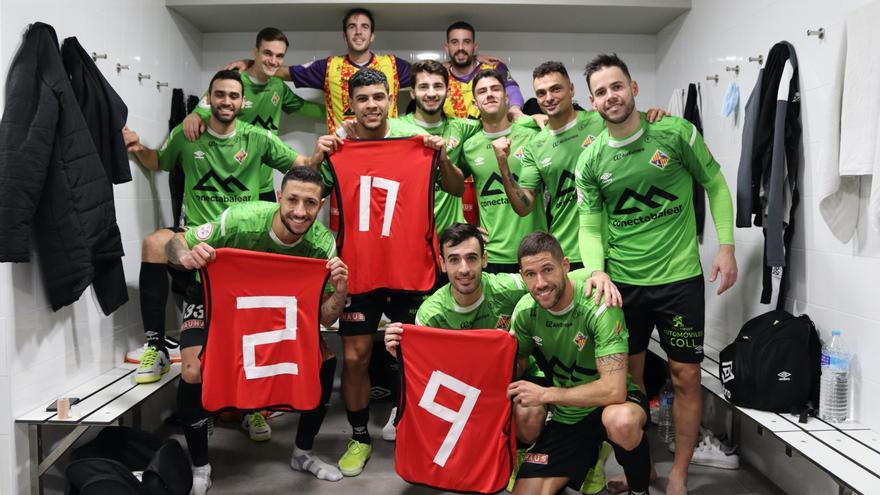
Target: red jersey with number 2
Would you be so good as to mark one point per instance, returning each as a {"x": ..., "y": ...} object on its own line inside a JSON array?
[
  {"x": 386, "y": 202},
  {"x": 455, "y": 426},
  {"x": 263, "y": 349}
]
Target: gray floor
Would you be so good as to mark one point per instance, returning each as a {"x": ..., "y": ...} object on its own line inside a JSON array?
[{"x": 241, "y": 466}]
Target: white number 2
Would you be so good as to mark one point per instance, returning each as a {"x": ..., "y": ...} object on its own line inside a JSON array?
[
  {"x": 250, "y": 342},
  {"x": 367, "y": 184},
  {"x": 458, "y": 418}
]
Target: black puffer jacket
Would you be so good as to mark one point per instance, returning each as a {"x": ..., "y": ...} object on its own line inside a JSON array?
[{"x": 52, "y": 180}]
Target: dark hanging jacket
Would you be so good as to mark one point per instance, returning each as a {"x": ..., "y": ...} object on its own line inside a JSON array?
[
  {"x": 767, "y": 193},
  {"x": 692, "y": 114},
  {"x": 52, "y": 181}
]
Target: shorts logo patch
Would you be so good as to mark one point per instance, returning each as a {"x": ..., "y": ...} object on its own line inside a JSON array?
[
  {"x": 190, "y": 324},
  {"x": 519, "y": 153},
  {"x": 534, "y": 458},
  {"x": 199, "y": 155},
  {"x": 580, "y": 340},
  {"x": 275, "y": 99},
  {"x": 241, "y": 155},
  {"x": 203, "y": 231},
  {"x": 659, "y": 159},
  {"x": 503, "y": 322},
  {"x": 588, "y": 141},
  {"x": 355, "y": 316}
]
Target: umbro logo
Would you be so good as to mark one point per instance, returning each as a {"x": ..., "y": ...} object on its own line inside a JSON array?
[
  {"x": 538, "y": 340},
  {"x": 784, "y": 376},
  {"x": 546, "y": 162},
  {"x": 199, "y": 155},
  {"x": 479, "y": 161},
  {"x": 247, "y": 104},
  {"x": 726, "y": 371},
  {"x": 606, "y": 178}
]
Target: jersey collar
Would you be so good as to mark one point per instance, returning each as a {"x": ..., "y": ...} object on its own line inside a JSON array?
[
  {"x": 564, "y": 128},
  {"x": 278, "y": 241},
  {"x": 615, "y": 143},
  {"x": 220, "y": 136},
  {"x": 428, "y": 125},
  {"x": 469, "y": 307},
  {"x": 563, "y": 311},
  {"x": 494, "y": 135},
  {"x": 253, "y": 81}
]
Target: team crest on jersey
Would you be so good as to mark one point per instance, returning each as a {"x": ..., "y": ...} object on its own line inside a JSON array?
[
  {"x": 503, "y": 322},
  {"x": 519, "y": 153},
  {"x": 199, "y": 155},
  {"x": 452, "y": 143},
  {"x": 241, "y": 155},
  {"x": 247, "y": 104},
  {"x": 588, "y": 141},
  {"x": 659, "y": 159},
  {"x": 275, "y": 99},
  {"x": 580, "y": 340},
  {"x": 203, "y": 231}
]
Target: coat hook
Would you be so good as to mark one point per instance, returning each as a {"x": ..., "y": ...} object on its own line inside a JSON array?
[
  {"x": 96, "y": 56},
  {"x": 160, "y": 85},
  {"x": 142, "y": 76},
  {"x": 712, "y": 78},
  {"x": 122, "y": 67},
  {"x": 759, "y": 59},
  {"x": 734, "y": 69},
  {"x": 819, "y": 33}
]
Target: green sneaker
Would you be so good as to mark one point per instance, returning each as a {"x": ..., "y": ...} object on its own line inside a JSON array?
[
  {"x": 520, "y": 455},
  {"x": 257, "y": 427},
  {"x": 154, "y": 364},
  {"x": 595, "y": 481},
  {"x": 355, "y": 457}
]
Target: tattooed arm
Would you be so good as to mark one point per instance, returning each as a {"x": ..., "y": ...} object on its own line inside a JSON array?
[
  {"x": 332, "y": 305},
  {"x": 522, "y": 200},
  {"x": 609, "y": 389}
]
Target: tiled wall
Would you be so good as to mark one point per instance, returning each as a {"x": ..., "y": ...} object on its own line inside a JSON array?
[
  {"x": 831, "y": 281},
  {"x": 42, "y": 353}
]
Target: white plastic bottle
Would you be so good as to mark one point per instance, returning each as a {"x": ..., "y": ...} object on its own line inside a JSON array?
[
  {"x": 665, "y": 424},
  {"x": 834, "y": 388}
]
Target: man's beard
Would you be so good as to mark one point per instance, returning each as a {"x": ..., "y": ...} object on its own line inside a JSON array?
[
  {"x": 467, "y": 63},
  {"x": 628, "y": 110},
  {"x": 427, "y": 110},
  {"x": 225, "y": 120}
]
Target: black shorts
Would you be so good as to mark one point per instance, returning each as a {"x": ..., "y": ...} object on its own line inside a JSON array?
[
  {"x": 569, "y": 451},
  {"x": 193, "y": 331},
  {"x": 501, "y": 268},
  {"x": 362, "y": 312},
  {"x": 678, "y": 310}
]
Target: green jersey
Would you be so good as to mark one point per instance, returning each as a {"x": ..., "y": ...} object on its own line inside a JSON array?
[
  {"x": 447, "y": 208},
  {"x": 567, "y": 343},
  {"x": 262, "y": 106},
  {"x": 501, "y": 292},
  {"x": 644, "y": 183},
  {"x": 222, "y": 170},
  {"x": 249, "y": 226},
  {"x": 548, "y": 163},
  {"x": 506, "y": 228}
]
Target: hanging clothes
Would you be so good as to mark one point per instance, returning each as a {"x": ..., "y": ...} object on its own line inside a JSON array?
[
  {"x": 767, "y": 191},
  {"x": 676, "y": 102},
  {"x": 731, "y": 100},
  {"x": 692, "y": 107},
  {"x": 855, "y": 101}
]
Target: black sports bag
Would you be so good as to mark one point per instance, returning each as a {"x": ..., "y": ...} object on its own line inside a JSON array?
[{"x": 773, "y": 364}]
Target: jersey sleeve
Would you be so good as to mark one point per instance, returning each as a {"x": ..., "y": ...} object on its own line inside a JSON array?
[
  {"x": 522, "y": 325},
  {"x": 589, "y": 197},
  {"x": 529, "y": 176},
  {"x": 510, "y": 288},
  {"x": 695, "y": 155},
  {"x": 290, "y": 102},
  {"x": 215, "y": 233},
  {"x": 170, "y": 151},
  {"x": 278, "y": 154},
  {"x": 609, "y": 330},
  {"x": 310, "y": 75},
  {"x": 514, "y": 95},
  {"x": 203, "y": 109},
  {"x": 457, "y": 132}
]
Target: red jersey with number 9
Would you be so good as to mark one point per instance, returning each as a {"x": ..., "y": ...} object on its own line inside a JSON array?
[
  {"x": 455, "y": 426},
  {"x": 386, "y": 201},
  {"x": 263, "y": 349}
]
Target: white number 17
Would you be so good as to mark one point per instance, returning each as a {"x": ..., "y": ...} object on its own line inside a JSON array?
[{"x": 367, "y": 184}]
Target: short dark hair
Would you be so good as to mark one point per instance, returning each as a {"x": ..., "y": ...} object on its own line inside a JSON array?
[
  {"x": 457, "y": 233},
  {"x": 303, "y": 174},
  {"x": 366, "y": 77},
  {"x": 358, "y": 11},
  {"x": 271, "y": 34},
  {"x": 429, "y": 67},
  {"x": 550, "y": 67},
  {"x": 603, "y": 61},
  {"x": 537, "y": 243},
  {"x": 491, "y": 73},
  {"x": 226, "y": 74},
  {"x": 461, "y": 25}
]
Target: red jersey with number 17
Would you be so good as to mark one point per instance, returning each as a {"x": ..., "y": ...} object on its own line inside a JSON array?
[
  {"x": 386, "y": 202},
  {"x": 263, "y": 349}
]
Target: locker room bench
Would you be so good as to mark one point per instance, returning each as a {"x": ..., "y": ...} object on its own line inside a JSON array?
[
  {"x": 104, "y": 401},
  {"x": 848, "y": 452}
]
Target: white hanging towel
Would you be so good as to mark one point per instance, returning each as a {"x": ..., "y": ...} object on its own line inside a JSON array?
[
  {"x": 858, "y": 156},
  {"x": 676, "y": 102}
]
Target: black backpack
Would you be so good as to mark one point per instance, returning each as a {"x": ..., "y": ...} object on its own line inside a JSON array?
[{"x": 773, "y": 364}]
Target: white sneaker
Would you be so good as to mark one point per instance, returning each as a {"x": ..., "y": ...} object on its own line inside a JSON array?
[
  {"x": 173, "y": 347},
  {"x": 153, "y": 365},
  {"x": 704, "y": 433},
  {"x": 257, "y": 427},
  {"x": 389, "y": 431},
  {"x": 306, "y": 461},
  {"x": 201, "y": 479},
  {"x": 711, "y": 452}
]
